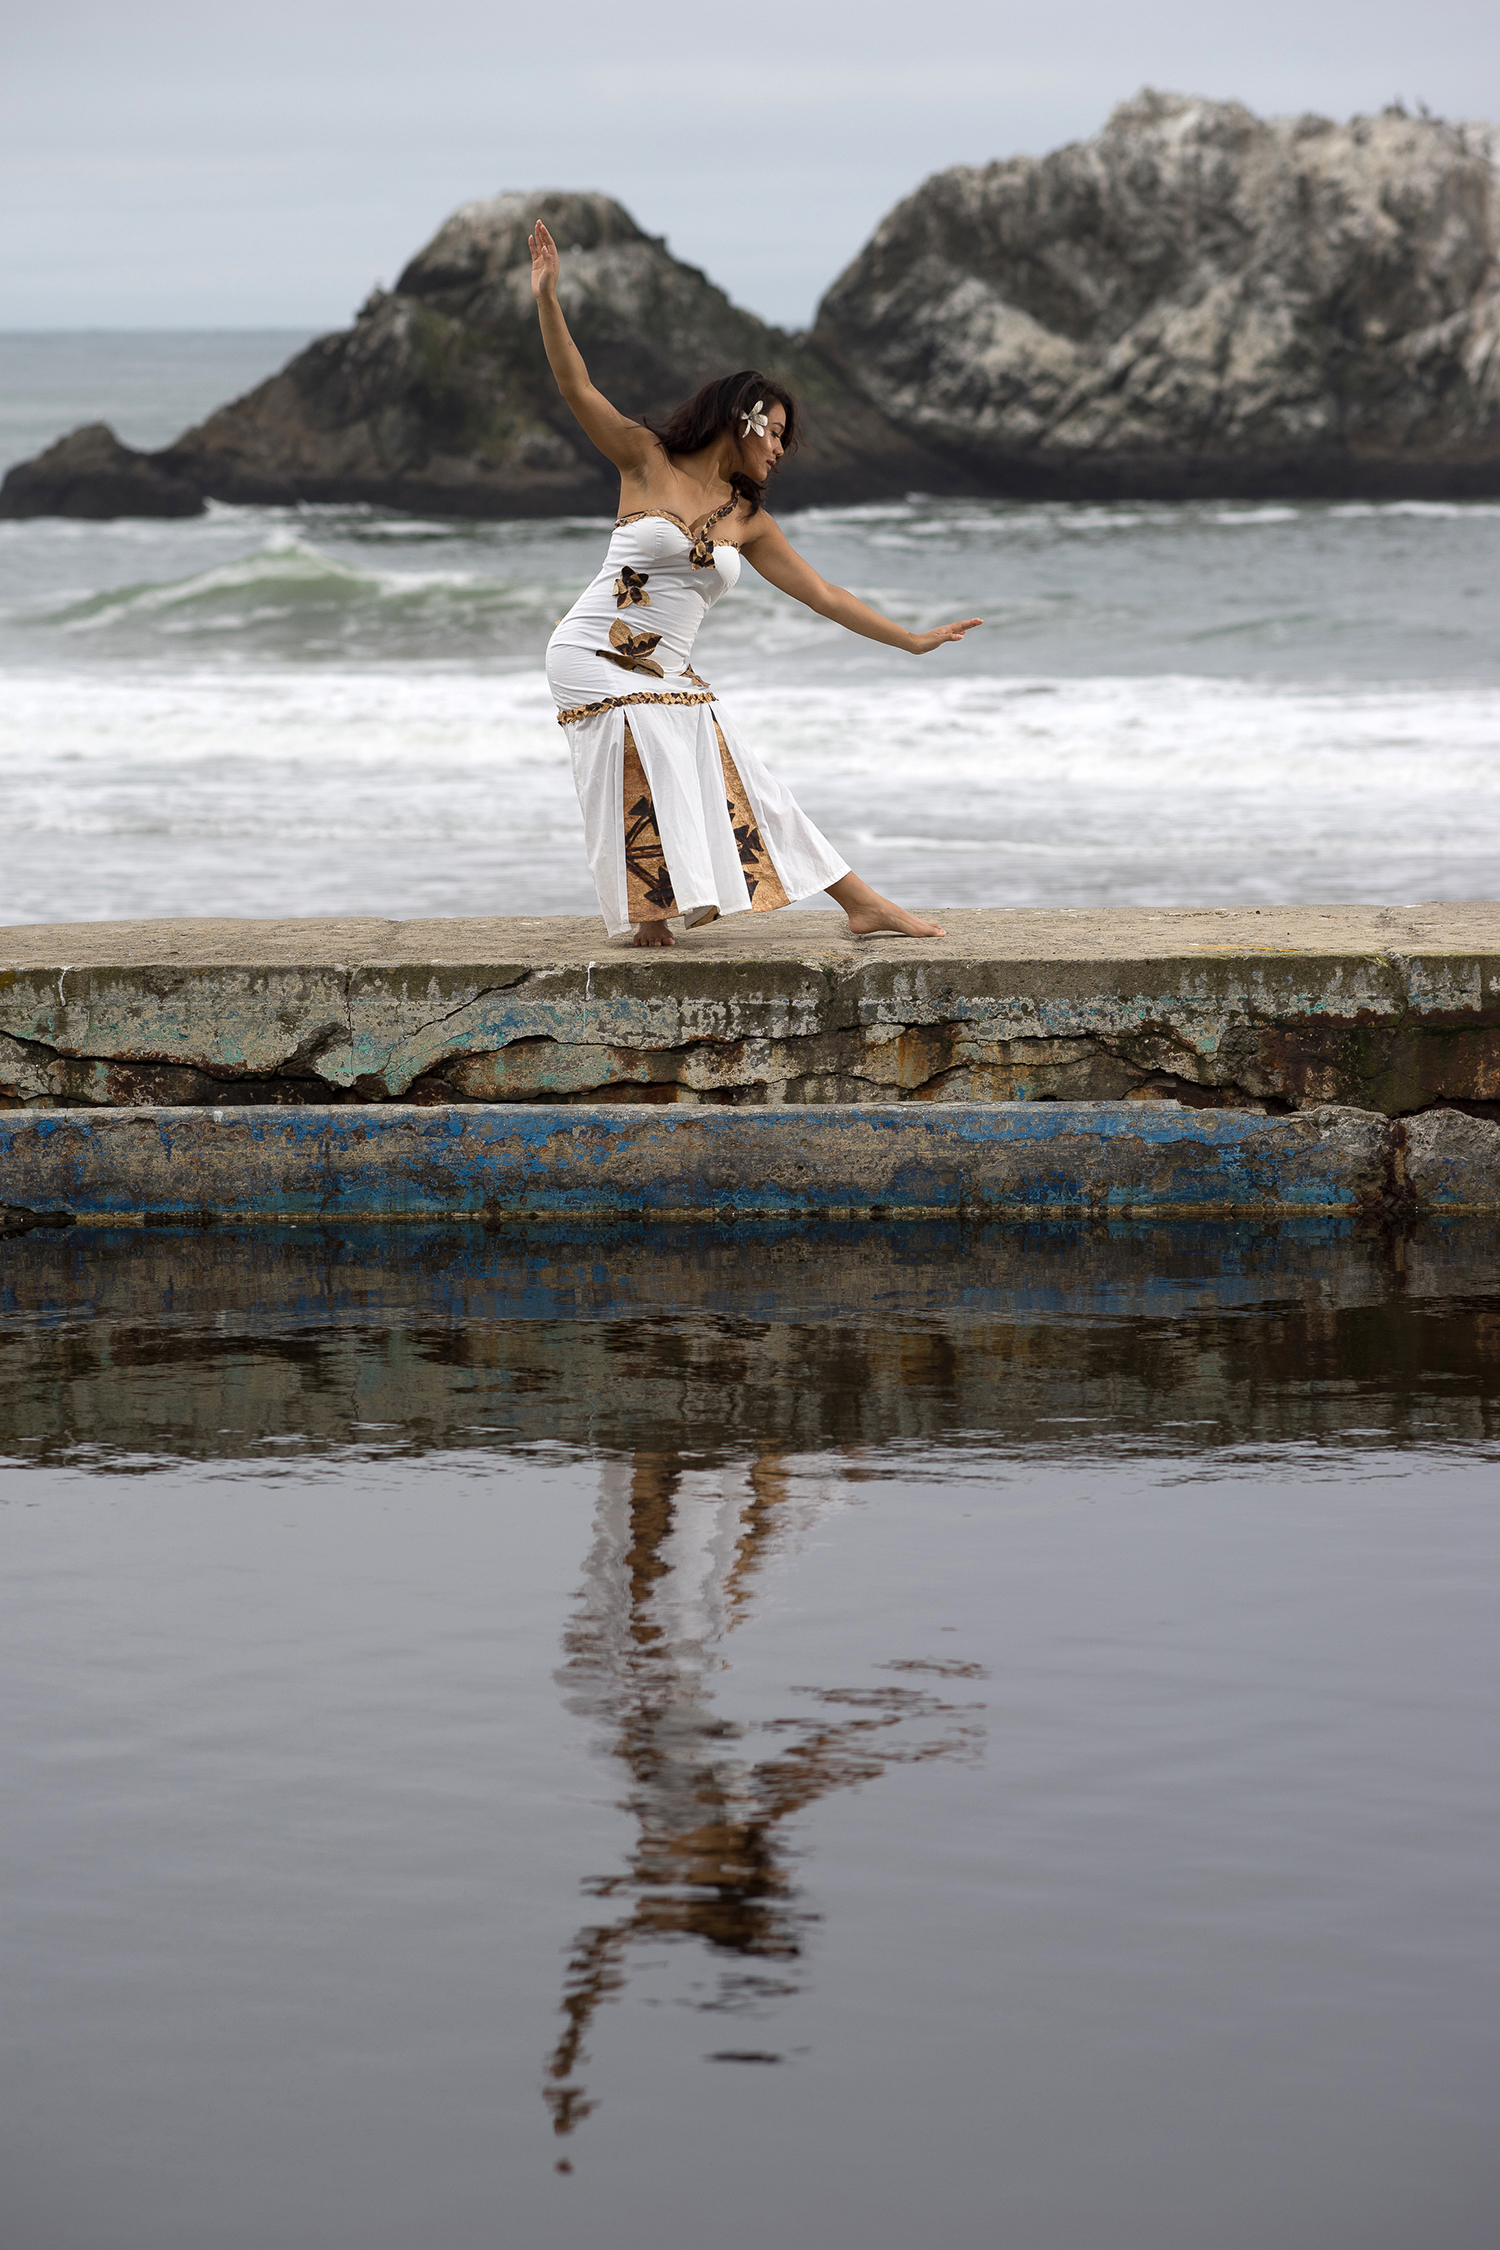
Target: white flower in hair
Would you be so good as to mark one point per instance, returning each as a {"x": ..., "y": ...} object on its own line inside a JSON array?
[{"x": 755, "y": 420}]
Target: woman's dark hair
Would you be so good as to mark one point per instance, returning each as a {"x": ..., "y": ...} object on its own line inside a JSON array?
[{"x": 717, "y": 408}]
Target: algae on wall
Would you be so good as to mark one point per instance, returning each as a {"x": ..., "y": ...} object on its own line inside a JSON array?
[{"x": 1384, "y": 1009}]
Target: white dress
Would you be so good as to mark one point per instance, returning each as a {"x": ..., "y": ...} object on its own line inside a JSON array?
[{"x": 680, "y": 816}]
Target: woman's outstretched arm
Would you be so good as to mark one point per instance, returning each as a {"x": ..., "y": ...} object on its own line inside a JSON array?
[
  {"x": 622, "y": 441},
  {"x": 774, "y": 556}
]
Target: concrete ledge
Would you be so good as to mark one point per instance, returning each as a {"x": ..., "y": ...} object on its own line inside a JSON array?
[
  {"x": 518, "y": 1164},
  {"x": 1382, "y": 1008}
]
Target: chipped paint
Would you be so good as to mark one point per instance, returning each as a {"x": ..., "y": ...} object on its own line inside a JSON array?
[{"x": 526, "y": 1164}]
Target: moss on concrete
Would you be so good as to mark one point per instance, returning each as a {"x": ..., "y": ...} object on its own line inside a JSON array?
[{"x": 1386, "y": 1009}]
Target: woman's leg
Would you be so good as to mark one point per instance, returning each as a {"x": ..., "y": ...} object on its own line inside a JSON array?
[{"x": 869, "y": 912}]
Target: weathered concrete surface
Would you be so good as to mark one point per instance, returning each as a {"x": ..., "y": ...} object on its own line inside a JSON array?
[
  {"x": 1447, "y": 1159},
  {"x": 529, "y": 1163},
  {"x": 1383, "y": 1008}
]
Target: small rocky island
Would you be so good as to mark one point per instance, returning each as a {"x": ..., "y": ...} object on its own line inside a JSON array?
[
  {"x": 1196, "y": 302},
  {"x": 439, "y": 399}
]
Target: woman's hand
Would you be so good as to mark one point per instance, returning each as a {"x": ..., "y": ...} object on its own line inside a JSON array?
[
  {"x": 923, "y": 643},
  {"x": 543, "y": 263}
]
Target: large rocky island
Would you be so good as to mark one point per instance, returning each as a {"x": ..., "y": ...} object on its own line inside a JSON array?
[{"x": 1197, "y": 301}]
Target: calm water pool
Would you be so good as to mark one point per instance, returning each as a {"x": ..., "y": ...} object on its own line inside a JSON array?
[{"x": 850, "y": 1736}]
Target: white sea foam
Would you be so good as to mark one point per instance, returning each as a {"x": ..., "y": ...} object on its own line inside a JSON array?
[
  {"x": 336, "y": 790},
  {"x": 1436, "y": 511},
  {"x": 307, "y": 710}
]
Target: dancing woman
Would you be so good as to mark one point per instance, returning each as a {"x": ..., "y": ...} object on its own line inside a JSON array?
[{"x": 680, "y": 816}]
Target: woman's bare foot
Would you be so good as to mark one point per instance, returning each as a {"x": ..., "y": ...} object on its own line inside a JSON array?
[
  {"x": 870, "y": 915},
  {"x": 892, "y": 920},
  {"x": 653, "y": 933}
]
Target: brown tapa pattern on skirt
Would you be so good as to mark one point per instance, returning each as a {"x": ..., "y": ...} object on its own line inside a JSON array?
[
  {"x": 761, "y": 879},
  {"x": 648, "y": 884}
]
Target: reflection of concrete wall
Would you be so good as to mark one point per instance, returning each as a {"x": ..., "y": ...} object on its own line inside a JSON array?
[
  {"x": 1387, "y": 1009},
  {"x": 718, "y": 1343}
]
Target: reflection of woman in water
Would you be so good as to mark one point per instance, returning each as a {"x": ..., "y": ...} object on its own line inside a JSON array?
[
  {"x": 670, "y": 1574},
  {"x": 680, "y": 816}
]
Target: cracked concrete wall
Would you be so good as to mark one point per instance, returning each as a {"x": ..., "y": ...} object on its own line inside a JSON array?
[{"x": 1389, "y": 1027}]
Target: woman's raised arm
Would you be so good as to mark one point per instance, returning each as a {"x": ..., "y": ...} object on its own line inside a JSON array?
[
  {"x": 774, "y": 556},
  {"x": 622, "y": 441}
]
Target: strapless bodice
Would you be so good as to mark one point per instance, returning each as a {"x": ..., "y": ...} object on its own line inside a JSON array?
[
  {"x": 668, "y": 542},
  {"x": 642, "y": 612}
]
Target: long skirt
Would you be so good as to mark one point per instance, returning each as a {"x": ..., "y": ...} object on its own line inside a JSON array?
[{"x": 681, "y": 818}]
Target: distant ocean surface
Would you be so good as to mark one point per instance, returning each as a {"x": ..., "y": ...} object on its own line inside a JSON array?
[{"x": 331, "y": 710}]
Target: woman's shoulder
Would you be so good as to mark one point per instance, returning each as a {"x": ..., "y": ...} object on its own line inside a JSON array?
[{"x": 761, "y": 525}]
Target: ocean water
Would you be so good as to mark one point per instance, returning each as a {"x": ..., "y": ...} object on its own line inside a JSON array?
[
  {"x": 849, "y": 1735},
  {"x": 148, "y": 384},
  {"x": 272, "y": 712}
]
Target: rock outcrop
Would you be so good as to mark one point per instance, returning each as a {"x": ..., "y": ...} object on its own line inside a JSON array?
[
  {"x": 90, "y": 473},
  {"x": 1199, "y": 301},
  {"x": 439, "y": 398}
]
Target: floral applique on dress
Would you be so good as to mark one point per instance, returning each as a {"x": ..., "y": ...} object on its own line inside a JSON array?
[
  {"x": 701, "y": 552},
  {"x": 739, "y": 842},
  {"x": 633, "y": 652}
]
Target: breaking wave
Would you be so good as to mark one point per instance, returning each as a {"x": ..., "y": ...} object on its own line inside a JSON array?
[
  {"x": 289, "y": 583},
  {"x": 1357, "y": 591}
]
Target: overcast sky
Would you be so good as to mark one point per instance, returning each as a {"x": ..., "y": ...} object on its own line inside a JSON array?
[{"x": 170, "y": 165}]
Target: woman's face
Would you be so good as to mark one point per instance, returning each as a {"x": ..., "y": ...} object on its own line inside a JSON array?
[{"x": 761, "y": 454}]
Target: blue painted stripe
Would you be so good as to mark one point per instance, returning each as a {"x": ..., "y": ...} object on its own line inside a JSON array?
[{"x": 519, "y": 1161}]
